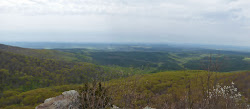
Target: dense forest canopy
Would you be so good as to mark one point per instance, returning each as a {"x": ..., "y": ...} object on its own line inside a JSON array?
[
  {"x": 153, "y": 57},
  {"x": 165, "y": 60},
  {"x": 29, "y": 76}
]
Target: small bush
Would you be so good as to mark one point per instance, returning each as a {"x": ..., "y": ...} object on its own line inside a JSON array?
[{"x": 94, "y": 97}]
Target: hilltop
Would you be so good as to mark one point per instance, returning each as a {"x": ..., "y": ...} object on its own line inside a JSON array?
[{"x": 39, "y": 53}]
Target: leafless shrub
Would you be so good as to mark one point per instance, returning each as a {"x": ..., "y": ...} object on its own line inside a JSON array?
[{"x": 94, "y": 96}]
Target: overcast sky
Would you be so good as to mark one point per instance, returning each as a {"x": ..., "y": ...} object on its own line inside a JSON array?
[{"x": 224, "y": 22}]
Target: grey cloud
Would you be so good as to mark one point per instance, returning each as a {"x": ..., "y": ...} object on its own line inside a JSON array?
[
  {"x": 127, "y": 20},
  {"x": 171, "y": 9}
]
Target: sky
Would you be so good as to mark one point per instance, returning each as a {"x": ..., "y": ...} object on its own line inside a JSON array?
[{"x": 221, "y": 22}]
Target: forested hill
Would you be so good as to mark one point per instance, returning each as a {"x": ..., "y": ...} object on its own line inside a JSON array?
[
  {"x": 26, "y": 73},
  {"x": 29, "y": 76},
  {"x": 39, "y": 53},
  {"x": 147, "y": 60},
  {"x": 164, "y": 89}
]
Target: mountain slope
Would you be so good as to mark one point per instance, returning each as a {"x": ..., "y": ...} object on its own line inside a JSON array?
[
  {"x": 39, "y": 53},
  {"x": 155, "y": 90},
  {"x": 26, "y": 73}
]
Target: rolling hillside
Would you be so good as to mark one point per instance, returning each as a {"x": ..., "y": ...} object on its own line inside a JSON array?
[
  {"x": 165, "y": 60},
  {"x": 39, "y": 53},
  {"x": 27, "y": 73},
  {"x": 153, "y": 61},
  {"x": 155, "y": 90}
]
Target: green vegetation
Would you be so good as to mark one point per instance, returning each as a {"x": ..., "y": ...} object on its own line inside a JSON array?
[
  {"x": 39, "y": 53},
  {"x": 26, "y": 73},
  {"x": 156, "y": 61},
  {"x": 153, "y": 59},
  {"x": 155, "y": 90},
  {"x": 130, "y": 77},
  {"x": 247, "y": 59},
  {"x": 172, "y": 88},
  {"x": 227, "y": 63},
  {"x": 19, "y": 99}
]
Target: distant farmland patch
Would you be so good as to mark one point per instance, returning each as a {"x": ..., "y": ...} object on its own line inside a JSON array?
[{"x": 247, "y": 59}]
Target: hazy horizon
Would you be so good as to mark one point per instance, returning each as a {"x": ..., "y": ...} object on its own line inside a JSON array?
[
  {"x": 213, "y": 22},
  {"x": 164, "y": 43}
]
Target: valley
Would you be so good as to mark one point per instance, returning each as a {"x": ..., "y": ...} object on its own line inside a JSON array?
[{"x": 160, "y": 74}]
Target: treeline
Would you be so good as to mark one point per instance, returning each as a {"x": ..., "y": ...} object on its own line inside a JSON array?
[
  {"x": 161, "y": 61},
  {"x": 17, "y": 99},
  {"x": 39, "y": 53},
  {"x": 164, "y": 90},
  {"x": 18, "y": 71},
  {"x": 183, "y": 89},
  {"x": 224, "y": 63},
  {"x": 164, "y": 61}
]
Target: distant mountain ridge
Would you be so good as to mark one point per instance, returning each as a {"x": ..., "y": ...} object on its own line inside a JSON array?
[
  {"x": 155, "y": 59},
  {"x": 39, "y": 53}
]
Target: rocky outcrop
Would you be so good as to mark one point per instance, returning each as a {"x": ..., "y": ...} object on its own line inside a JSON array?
[{"x": 68, "y": 100}]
